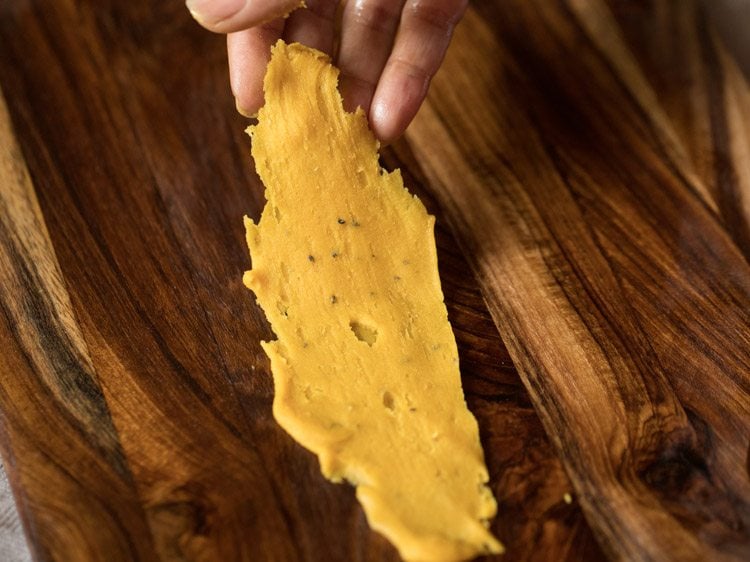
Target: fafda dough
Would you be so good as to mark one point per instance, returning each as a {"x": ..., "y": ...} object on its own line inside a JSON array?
[{"x": 365, "y": 365}]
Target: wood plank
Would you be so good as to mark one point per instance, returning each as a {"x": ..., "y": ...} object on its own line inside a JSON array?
[
  {"x": 704, "y": 94},
  {"x": 51, "y": 403},
  {"x": 143, "y": 174},
  {"x": 623, "y": 300},
  {"x": 730, "y": 18}
]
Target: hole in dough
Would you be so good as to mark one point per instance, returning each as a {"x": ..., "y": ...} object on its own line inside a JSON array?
[{"x": 364, "y": 333}]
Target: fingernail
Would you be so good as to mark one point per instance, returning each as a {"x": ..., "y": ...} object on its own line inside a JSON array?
[
  {"x": 213, "y": 11},
  {"x": 244, "y": 112}
]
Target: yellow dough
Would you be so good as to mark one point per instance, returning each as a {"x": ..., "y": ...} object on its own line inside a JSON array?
[{"x": 365, "y": 366}]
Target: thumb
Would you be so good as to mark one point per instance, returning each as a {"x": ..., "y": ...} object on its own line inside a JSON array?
[{"x": 226, "y": 16}]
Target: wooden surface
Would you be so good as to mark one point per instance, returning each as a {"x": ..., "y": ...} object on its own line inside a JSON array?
[
  {"x": 611, "y": 260},
  {"x": 591, "y": 161}
]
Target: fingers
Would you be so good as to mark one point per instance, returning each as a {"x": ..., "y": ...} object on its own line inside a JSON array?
[
  {"x": 227, "y": 16},
  {"x": 313, "y": 26},
  {"x": 368, "y": 28},
  {"x": 388, "y": 78},
  {"x": 249, "y": 52},
  {"x": 423, "y": 36}
]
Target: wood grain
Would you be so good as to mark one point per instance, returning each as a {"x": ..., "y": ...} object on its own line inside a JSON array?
[
  {"x": 622, "y": 297},
  {"x": 53, "y": 410},
  {"x": 587, "y": 176},
  {"x": 705, "y": 96},
  {"x": 142, "y": 172}
]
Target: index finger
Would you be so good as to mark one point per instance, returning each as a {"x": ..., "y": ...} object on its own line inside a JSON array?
[{"x": 423, "y": 37}]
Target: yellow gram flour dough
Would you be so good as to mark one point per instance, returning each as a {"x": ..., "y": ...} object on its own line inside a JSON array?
[{"x": 365, "y": 367}]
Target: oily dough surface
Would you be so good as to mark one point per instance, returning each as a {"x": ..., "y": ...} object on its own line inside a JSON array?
[{"x": 365, "y": 366}]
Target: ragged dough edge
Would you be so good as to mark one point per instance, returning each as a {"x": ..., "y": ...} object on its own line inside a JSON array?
[
  {"x": 324, "y": 441},
  {"x": 412, "y": 546},
  {"x": 297, "y": 426}
]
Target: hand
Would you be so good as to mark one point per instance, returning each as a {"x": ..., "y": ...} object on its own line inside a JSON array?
[{"x": 388, "y": 50}]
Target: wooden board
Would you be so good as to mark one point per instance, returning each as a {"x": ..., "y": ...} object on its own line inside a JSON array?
[{"x": 135, "y": 399}]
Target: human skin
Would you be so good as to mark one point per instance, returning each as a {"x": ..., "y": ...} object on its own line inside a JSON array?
[{"x": 387, "y": 50}]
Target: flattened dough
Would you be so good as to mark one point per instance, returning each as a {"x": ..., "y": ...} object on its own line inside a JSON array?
[{"x": 365, "y": 366}]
